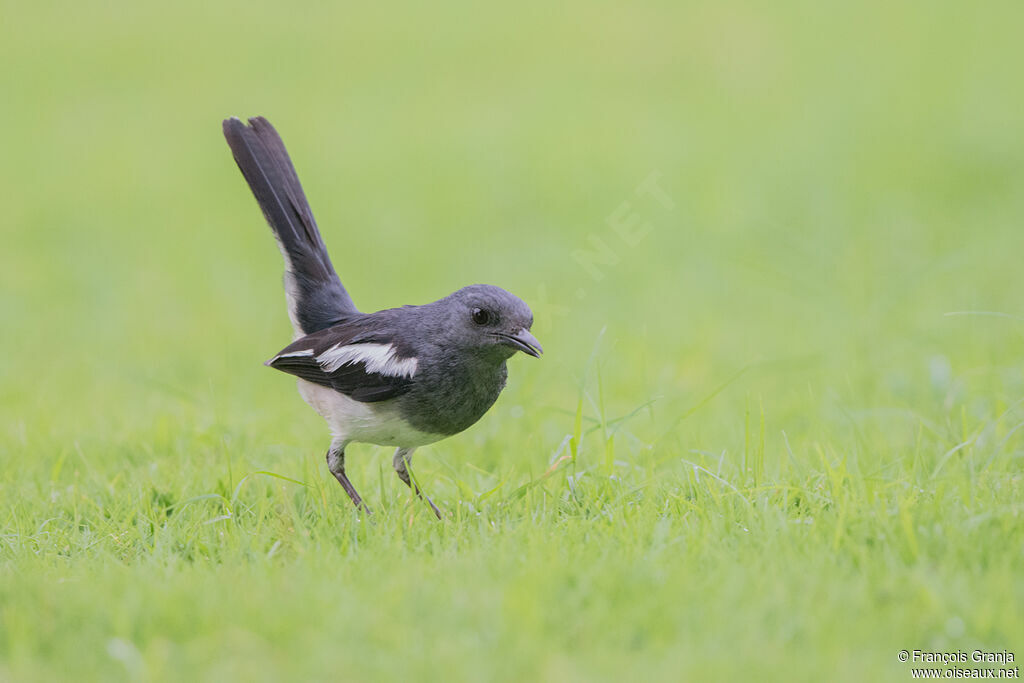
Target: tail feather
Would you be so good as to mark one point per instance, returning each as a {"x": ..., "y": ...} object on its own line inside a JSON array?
[{"x": 316, "y": 297}]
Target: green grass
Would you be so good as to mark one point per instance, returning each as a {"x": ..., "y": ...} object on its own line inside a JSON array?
[{"x": 757, "y": 447}]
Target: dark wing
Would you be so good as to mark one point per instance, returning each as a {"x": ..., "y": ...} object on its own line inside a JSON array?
[{"x": 365, "y": 365}]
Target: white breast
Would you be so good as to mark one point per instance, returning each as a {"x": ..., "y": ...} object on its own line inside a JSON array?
[{"x": 350, "y": 420}]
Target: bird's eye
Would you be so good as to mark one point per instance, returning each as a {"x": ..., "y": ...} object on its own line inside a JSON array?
[{"x": 481, "y": 317}]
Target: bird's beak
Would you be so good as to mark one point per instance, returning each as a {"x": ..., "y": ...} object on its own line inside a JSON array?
[{"x": 522, "y": 341}]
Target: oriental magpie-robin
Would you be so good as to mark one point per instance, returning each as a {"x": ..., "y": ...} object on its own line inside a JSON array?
[{"x": 403, "y": 377}]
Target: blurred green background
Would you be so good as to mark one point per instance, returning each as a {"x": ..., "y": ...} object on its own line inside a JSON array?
[{"x": 838, "y": 180}]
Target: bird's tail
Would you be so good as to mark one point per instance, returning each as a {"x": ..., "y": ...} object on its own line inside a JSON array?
[{"x": 316, "y": 297}]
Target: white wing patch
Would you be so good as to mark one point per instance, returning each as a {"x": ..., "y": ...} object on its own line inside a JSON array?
[
  {"x": 379, "y": 359},
  {"x": 295, "y": 354}
]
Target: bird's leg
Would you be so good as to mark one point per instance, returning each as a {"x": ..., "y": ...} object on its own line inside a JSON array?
[
  {"x": 403, "y": 456},
  {"x": 336, "y": 464}
]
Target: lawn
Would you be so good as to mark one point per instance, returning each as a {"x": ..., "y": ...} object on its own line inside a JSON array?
[{"x": 774, "y": 257}]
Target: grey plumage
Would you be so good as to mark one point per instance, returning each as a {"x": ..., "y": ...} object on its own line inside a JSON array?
[{"x": 402, "y": 377}]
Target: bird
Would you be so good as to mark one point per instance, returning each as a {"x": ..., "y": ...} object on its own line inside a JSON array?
[{"x": 401, "y": 377}]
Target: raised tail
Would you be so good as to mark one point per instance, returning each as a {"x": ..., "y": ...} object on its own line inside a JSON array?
[{"x": 316, "y": 297}]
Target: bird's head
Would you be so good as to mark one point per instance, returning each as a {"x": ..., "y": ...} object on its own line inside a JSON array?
[{"x": 489, "y": 320}]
